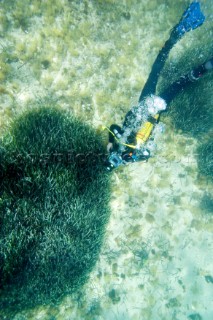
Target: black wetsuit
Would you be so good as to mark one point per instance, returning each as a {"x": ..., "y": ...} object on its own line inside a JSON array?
[{"x": 150, "y": 87}]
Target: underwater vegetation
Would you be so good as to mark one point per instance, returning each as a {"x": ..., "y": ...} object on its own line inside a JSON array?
[
  {"x": 195, "y": 316},
  {"x": 53, "y": 207},
  {"x": 191, "y": 114},
  {"x": 207, "y": 203},
  {"x": 205, "y": 159}
]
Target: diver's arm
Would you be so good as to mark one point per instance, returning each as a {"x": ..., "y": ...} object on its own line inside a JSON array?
[{"x": 115, "y": 131}]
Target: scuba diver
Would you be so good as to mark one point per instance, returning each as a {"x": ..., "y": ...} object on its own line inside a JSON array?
[{"x": 134, "y": 141}]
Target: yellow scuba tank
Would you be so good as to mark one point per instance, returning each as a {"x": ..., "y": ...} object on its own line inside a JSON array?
[
  {"x": 146, "y": 130},
  {"x": 143, "y": 134}
]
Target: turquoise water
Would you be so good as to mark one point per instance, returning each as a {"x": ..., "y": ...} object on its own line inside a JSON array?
[{"x": 92, "y": 58}]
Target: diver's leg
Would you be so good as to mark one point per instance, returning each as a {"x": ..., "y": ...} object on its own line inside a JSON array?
[
  {"x": 179, "y": 85},
  {"x": 158, "y": 65},
  {"x": 191, "y": 19}
]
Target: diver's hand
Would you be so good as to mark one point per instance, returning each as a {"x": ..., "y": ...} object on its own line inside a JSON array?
[{"x": 109, "y": 146}]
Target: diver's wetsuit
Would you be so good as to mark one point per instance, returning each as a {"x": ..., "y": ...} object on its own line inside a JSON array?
[
  {"x": 151, "y": 83},
  {"x": 150, "y": 86},
  {"x": 171, "y": 91},
  {"x": 191, "y": 19}
]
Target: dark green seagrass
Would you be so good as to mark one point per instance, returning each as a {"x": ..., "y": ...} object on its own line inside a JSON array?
[
  {"x": 53, "y": 207},
  {"x": 205, "y": 158}
]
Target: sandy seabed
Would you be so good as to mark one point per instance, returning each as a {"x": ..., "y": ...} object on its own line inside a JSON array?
[{"x": 93, "y": 58}]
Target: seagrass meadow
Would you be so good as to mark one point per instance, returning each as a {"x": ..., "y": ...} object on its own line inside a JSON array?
[
  {"x": 75, "y": 241},
  {"x": 54, "y": 206}
]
